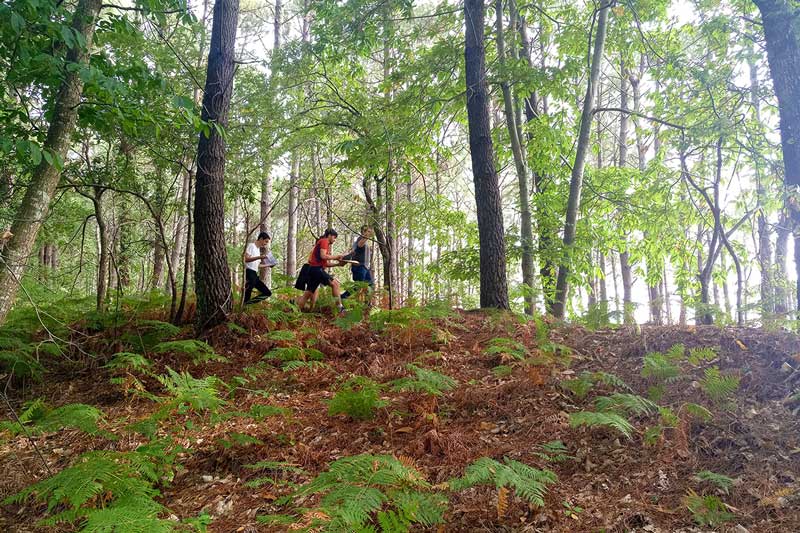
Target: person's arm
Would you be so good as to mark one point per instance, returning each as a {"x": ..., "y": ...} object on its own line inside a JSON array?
[
  {"x": 248, "y": 258},
  {"x": 361, "y": 242},
  {"x": 323, "y": 253}
]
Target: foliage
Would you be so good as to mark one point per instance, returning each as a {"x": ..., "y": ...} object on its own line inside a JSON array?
[
  {"x": 724, "y": 483},
  {"x": 358, "y": 397},
  {"x": 363, "y": 490},
  {"x": 188, "y": 392},
  {"x": 529, "y": 483},
  {"x": 198, "y": 351},
  {"x": 659, "y": 367},
  {"x": 506, "y": 348},
  {"x": 553, "y": 452},
  {"x": 621, "y": 403},
  {"x": 281, "y": 335},
  {"x": 706, "y": 510},
  {"x": 106, "y": 492},
  {"x": 698, "y": 356},
  {"x": 39, "y": 418},
  {"x": 579, "y": 386},
  {"x": 718, "y": 387},
  {"x": 128, "y": 360},
  {"x": 425, "y": 381},
  {"x": 602, "y": 419}
]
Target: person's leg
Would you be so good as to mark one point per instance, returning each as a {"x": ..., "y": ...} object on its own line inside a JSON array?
[
  {"x": 248, "y": 284},
  {"x": 262, "y": 289}
]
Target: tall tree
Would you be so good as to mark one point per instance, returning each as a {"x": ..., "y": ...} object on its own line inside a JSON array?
[
  {"x": 212, "y": 275},
  {"x": 576, "y": 180},
  {"x": 517, "y": 149},
  {"x": 494, "y": 286},
  {"x": 781, "y": 20},
  {"x": 36, "y": 203}
]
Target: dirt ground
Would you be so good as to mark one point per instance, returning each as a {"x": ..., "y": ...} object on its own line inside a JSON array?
[{"x": 611, "y": 483}]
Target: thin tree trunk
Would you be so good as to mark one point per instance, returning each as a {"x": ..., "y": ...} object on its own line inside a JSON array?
[
  {"x": 494, "y": 285},
  {"x": 102, "y": 261},
  {"x": 36, "y": 203},
  {"x": 212, "y": 275},
  {"x": 782, "y": 302},
  {"x": 291, "y": 232},
  {"x": 576, "y": 180},
  {"x": 627, "y": 288}
]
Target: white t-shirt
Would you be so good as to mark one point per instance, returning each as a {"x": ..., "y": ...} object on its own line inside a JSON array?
[{"x": 252, "y": 251}]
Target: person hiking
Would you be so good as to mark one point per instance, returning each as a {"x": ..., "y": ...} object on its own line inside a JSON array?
[
  {"x": 362, "y": 253},
  {"x": 313, "y": 273},
  {"x": 252, "y": 259}
]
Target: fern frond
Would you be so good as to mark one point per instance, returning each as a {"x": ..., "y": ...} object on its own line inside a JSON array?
[
  {"x": 580, "y": 386},
  {"x": 291, "y": 366},
  {"x": 630, "y": 403},
  {"x": 359, "y": 397},
  {"x": 198, "y": 351},
  {"x": 281, "y": 335},
  {"x": 698, "y": 411},
  {"x": 612, "y": 380},
  {"x": 717, "y": 386},
  {"x": 528, "y": 482},
  {"x": 426, "y": 381},
  {"x": 659, "y": 367},
  {"x": 200, "y": 394},
  {"x": 723, "y": 482},
  {"x": 593, "y": 419},
  {"x": 133, "y": 361}
]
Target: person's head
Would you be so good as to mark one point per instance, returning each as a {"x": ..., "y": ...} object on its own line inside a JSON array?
[
  {"x": 262, "y": 239},
  {"x": 330, "y": 234},
  {"x": 366, "y": 231}
]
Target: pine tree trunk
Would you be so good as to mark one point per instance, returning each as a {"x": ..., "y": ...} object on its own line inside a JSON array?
[
  {"x": 102, "y": 261},
  {"x": 494, "y": 286},
  {"x": 782, "y": 302},
  {"x": 212, "y": 275},
  {"x": 576, "y": 180},
  {"x": 36, "y": 203}
]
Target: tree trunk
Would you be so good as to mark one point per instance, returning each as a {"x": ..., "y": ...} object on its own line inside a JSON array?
[
  {"x": 494, "y": 286},
  {"x": 36, "y": 203},
  {"x": 627, "y": 288},
  {"x": 518, "y": 151},
  {"x": 576, "y": 180},
  {"x": 781, "y": 246},
  {"x": 212, "y": 275},
  {"x": 102, "y": 261},
  {"x": 291, "y": 232}
]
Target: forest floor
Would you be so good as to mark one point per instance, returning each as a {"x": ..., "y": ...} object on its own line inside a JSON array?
[{"x": 606, "y": 481}]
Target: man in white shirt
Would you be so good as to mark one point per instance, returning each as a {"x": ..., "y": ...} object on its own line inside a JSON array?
[{"x": 252, "y": 258}]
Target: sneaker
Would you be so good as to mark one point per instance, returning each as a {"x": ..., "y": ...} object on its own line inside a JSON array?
[{"x": 342, "y": 311}]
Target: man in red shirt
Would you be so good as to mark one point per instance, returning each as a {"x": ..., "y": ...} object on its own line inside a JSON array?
[{"x": 313, "y": 273}]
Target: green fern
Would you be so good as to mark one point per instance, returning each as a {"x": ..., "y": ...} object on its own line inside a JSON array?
[
  {"x": 199, "y": 394},
  {"x": 529, "y": 483},
  {"x": 358, "y": 397},
  {"x": 281, "y": 335},
  {"x": 607, "y": 378},
  {"x": 128, "y": 360},
  {"x": 147, "y": 333},
  {"x": 238, "y": 439},
  {"x": 580, "y": 386},
  {"x": 127, "y": 478},
  {"x": 675, "y": 353},
  {"x": 425, "y": 381},
  {"x": 19, "y": 364},
  {"x": 351, "y": 318},
  {"x": 660, "y": 368},
  {"x": 285, "y": 354},
  {"x": 38, "y": 418},
  {"x": 698, "y": 411},
  {"x": 362, "y": 490},
  {"x": 198, "y": 351},
  {"x": 698, "y": 356},
  {"x": 502, "y": 371},
  {"x": 707, "y": 510},
  {"x": 260, "y": 412},
  {"x": 313, "y": 366},
  {"x": 724, "y": 483},
  {"x": 593, "y": 419},
  {"x": 553, "y": 452},
  {"x": 630, "y": 403},
  {"x": 718, "y": 387},
  {"x": 509, "y": 347}
]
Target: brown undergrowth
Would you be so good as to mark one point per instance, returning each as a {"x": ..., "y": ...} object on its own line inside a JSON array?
[{"x": 606, "y": 481}]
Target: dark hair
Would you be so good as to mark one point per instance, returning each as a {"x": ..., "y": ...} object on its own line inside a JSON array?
[
  {"x": 364, "y": 228},
  {"x": 263, "y": 235},
  {"x": 330, "y": 231}
]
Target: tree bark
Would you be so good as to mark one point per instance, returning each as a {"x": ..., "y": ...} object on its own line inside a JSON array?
[
  {"x": 36, "y": 203},
  {"x": 518, "y": 151},
  {"x": 212, "y": 275},
  {"x": 576, "y": 180},
  {"x": 291, "y": 232},
  {"x": 494, "y": 285}
]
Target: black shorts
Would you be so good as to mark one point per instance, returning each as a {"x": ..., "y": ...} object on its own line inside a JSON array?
[{"x": 312, "y": 277}]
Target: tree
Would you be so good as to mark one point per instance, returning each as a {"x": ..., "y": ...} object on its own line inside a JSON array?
[
  {"x": 36, "y": 202},
  {"x": 494, "y": 286},
  {"x": 212, "y": 274},
  {"x": 782, "y": 31},
  {"x": 576, "y": 180}
]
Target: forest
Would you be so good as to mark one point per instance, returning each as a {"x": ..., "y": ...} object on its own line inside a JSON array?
[{"x": 521, "y": 266}]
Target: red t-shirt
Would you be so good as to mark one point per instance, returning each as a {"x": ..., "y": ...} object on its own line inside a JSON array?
[{"x": 315, "y": 259}]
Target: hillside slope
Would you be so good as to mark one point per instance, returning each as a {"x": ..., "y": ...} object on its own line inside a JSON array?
[{"x": 561, "y": 399}]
